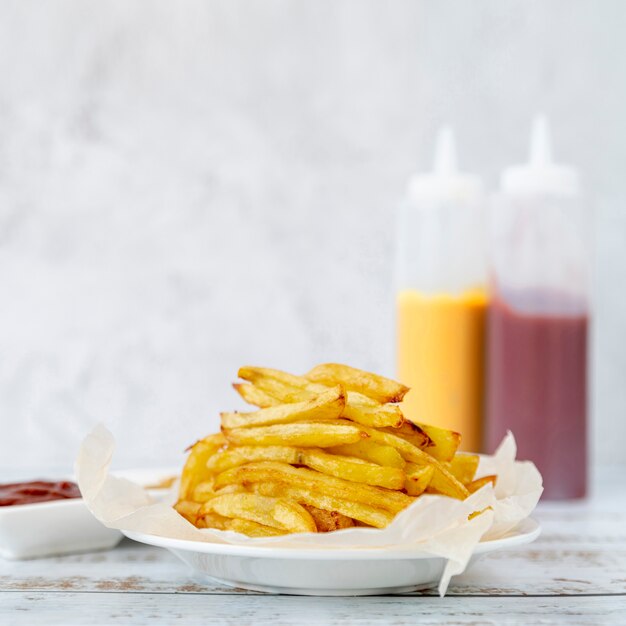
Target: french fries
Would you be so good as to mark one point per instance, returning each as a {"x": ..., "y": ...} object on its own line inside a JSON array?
[
  {"x": 325, "y": 451},
  {"x": 277, "y": 513},
  {"x": 311, "y": 435},
  {"x": 381, "y": 389},
  {"x": 327, "y": 405}
]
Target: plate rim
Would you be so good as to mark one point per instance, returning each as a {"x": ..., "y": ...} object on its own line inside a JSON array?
[{"x": 525, "y": 532}]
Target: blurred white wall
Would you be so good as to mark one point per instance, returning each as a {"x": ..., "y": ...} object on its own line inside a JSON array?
[{"x": 189, "y": 186}]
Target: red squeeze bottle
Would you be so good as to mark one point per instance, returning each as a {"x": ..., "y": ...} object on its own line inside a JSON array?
[{"x": 537, "y": 330}]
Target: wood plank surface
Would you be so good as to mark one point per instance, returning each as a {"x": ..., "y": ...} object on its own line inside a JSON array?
[
  {"x": 41, "y": 608},
  {"x": 574, "y": 573}
]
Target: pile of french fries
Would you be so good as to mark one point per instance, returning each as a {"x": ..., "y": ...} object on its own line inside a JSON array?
[{"x": 324, "y": 451}]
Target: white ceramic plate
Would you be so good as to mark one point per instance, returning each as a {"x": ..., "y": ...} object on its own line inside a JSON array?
[{"x": 323, "y": 572}]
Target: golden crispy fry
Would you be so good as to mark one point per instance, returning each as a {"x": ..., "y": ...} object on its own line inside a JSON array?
[
  {"x": 418, "y": 478},
  {"x": 254, "y": 373},
  {"x": 464, "y": 467},
  {"x": 274, "y": 512},
  {"x": 379, "y": 518},
  {"x": 281, "y": 384},
  {"x": 213, "y": 520},
  {"x": 442, "y": 481},
  {"x": 325, "y": 451},
  {"x": 327, "y": 521},
  {"x": 354, "y": 469},
  {"x": 377, "y": 416},
  {"x": 287, "y": 388},
  {"x": 350, "y": 468},
  {"x": 307, "y": 435},
  {"x": 443, "y": 443},
  {"x": 189, "y": 510},
  {"x": 267, "y": 471},
  {"x": 255, "y": 396},
  {"x": 253, "y": 529},
  {"x": 205, "y": 491},
  {"x": 240, "y": 455},
  {"x": 411, "y": 433},
  {"x": 327, "y": 405},
  {"x": 371, "y": 451},
  {"x": 376, "y": 387},
  {"x": 195, "y": 471},
  {"x": 475, "y": 485}
]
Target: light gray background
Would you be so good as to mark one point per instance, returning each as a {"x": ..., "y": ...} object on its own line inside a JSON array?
[{"x": 189, "y": 186}]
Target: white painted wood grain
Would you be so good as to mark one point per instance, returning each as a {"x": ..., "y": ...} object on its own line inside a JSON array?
[{"x": 36, "y": 608}]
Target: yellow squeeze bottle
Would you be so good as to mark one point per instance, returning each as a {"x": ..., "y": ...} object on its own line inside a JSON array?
[{"x": 441, "y": 297}]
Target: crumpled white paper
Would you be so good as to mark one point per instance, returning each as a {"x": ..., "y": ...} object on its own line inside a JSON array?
[{"x": 434, "y": 524}]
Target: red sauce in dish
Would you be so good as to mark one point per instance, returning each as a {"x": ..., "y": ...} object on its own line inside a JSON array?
[{"x": 37, "y": 491}]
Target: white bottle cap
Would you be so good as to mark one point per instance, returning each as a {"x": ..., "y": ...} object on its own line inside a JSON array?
[
  {"x": 540, "y": 175},
  {"x": 444, "y": 183}
]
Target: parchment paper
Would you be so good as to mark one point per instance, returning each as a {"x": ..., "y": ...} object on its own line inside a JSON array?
[{"x": 434, "y": 524}]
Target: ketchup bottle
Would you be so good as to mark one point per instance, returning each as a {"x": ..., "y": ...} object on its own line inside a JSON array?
[{"x": 538, "y": 319}]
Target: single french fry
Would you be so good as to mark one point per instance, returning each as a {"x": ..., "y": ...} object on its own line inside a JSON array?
[
  {"x": 194, "y": 471},
  {"x": 353, "y": 469},
  {"x": 210, "y": 519},
  {"x": 253, "y": 529},
  {"x": 418, "y": 478},
  {"x": 464, "y": 467},
  {"x": 327, "y": 405},
  {"x": 443, "y": 442},
  {"x": 327, "y": 521},
  {"x": 205, "y": 491},
  {"x": 409, "y": 431},
  {"x": 254, "y": 395},
  {"x": 240, "y": 455},
  {"x": 310, "y": 435},
  {"x": 189, "y": 510},
  {"x": 378, "y": 388},
  {"x": 475, "y": 485},
  {"x": 280, "y": 384},
  {"x": 371, "y": 451},
  {"x": 376, "y": 416}
]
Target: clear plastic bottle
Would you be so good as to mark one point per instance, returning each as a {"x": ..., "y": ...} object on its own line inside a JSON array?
[
  {"x": 441, "y": 299},
  {"x": 538, "y": 319}
]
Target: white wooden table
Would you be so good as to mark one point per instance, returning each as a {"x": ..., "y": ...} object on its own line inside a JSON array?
[{"x": 575, "y": 573}]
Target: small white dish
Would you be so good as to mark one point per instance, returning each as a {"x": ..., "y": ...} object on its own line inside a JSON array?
[
  {"x": 323, "y": 572},
  {"x": 57, "y": 527},
  {"x": 29, "y": 531}
]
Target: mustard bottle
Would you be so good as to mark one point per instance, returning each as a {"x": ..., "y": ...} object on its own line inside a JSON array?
[{"x": 441, "y": 298}]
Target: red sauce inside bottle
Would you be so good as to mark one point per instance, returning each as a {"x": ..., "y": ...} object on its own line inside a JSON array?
[
  {"x": 537, "y": 373},
  {"x": 37, "y": 491}
]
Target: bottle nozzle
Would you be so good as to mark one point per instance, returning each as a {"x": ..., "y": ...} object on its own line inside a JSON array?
[
  {"x": 540, "y": 175},
  {"x": 445, "y": 183},
  {"x": 445, "y": 152},
  {"x": 540, "y": 142}
]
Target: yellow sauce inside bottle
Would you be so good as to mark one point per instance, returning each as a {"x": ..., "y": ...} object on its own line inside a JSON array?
[{"x": 441, "y": 355}]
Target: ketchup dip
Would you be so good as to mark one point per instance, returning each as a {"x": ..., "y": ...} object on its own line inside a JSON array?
[{"x": 37, "y": 491}]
